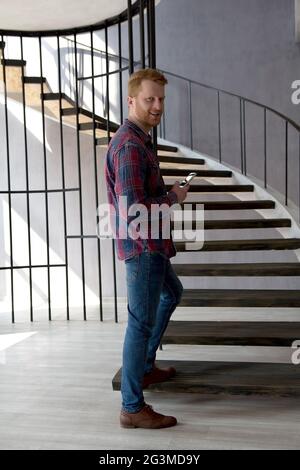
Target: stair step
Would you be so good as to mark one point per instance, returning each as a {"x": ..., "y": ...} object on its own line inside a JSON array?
[
  {"x": 218, "y": 188},
  {"x": 241, "y": 224},
  {"x": 167, "y": 148},
  {"x": 237, "y": 378},
  {"x": 102, "y": 140},
  {"x": 13, "y": 63},
  {"x": 69, "y": 111},
  {"x": 73, "y": 111},
  {"x": 232, "y": 205},
  {"x": 85, "y": 126},
  {"x": 56, "y": 96},
  {"x": 184, "y": 160},
  {"x": 34, "y": 80},
  {"x": 245, "y": 245},
  {"x": 240, "y": 298},
  {"x": 238, "y": 269},
  {"x": 235, "y": 333},
  {"x": 204, "y": 173}
]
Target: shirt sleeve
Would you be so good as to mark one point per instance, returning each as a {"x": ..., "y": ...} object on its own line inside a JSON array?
[{"x": 130, "y": 177}]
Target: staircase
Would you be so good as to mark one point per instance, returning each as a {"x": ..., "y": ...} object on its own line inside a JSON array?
[
  {"x": 204, "y": 376},
  {"x": 231, "y": 377}
]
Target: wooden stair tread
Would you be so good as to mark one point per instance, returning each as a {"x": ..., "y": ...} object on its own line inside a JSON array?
[
  {"x": 218, "y": 188},
  {"x": 98, "y": 125},
  {"x": 241, "y": 223},
  {"x": 240, "y": 298},
  {"x": 167, "y": 148},
  {"x": 244, "y": 245},
  {"x": 215, "y": 377},
  {"x": 233, "y": 205},
  {"x": 238, "y": 269},
  {"x": 200, "y": 173},
  {"x": 232, "y": 333},
  {"x": 34, "y": 80},
  {"x": 13, "y": 62},
  {"x": 56, "y": 96},
  {"x": 184, "y": 160}
]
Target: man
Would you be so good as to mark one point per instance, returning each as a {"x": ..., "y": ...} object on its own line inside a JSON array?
[{"x": 153, "y": 289}]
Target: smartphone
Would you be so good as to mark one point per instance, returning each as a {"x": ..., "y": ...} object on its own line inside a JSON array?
[{"x": 187, "y": 180}]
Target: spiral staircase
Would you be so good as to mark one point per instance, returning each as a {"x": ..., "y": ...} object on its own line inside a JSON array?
[{"x": 207, "y": 376}]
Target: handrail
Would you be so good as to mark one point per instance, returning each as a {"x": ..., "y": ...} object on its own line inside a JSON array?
[
  {"x": 220, "y": 90},
  {"x": 283, "y": 116}
]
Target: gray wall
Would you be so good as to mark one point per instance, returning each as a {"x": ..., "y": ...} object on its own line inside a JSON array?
[
  {"x": 244, "y": 46},
  {"x": 241, "y": 46}
]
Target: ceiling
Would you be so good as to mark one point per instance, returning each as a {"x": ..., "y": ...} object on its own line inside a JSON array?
[{"x": 42, "y": 15}]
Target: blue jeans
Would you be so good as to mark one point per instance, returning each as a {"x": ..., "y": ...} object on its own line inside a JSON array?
[{"x": 153, "y": 292}]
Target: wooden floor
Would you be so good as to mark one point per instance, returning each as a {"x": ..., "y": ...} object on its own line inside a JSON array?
[{"x": 56, "y": 391}]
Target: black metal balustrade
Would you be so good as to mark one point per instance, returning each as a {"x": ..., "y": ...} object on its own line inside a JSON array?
[{"x": 136, "y": 9}]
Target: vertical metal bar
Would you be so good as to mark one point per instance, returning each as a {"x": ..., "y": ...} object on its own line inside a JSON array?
[
  {"x": 120, "y": 71},
  {"x": 46, "y": 180},
  {"x": 191, "y": 115},
  {"x": 286, "y": 162},
  {"x": 63, "y": 176},
  {"x": 96, "y": 175},
  {"x": 80, "y": 181},
  {"x": 219, "y": 128},
  {"x": 142, "y": 34},
  {"x": 130, "y": 38},
  {"x": 149, "y": 32},
  {"x": 107, "y": 84},
  {"x": 164, "y": 121},
  {"x": 244, "y": 138},
  {"x": 152, "y": 35},
  {"x": 241, "y": 136},
  {"x": 27, "y": 183},
  {"x": 108, "y": 138},
  {"x": 265, "y": 147},
  {"x": 9, "y": 192},
  {"x": 152, "y": 53}
]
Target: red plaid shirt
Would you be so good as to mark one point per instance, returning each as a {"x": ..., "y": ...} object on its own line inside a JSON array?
[{"x": 132, "y": 170}]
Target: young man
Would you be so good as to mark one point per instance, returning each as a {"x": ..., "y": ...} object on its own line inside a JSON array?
[{"x": 153, "y": 289}]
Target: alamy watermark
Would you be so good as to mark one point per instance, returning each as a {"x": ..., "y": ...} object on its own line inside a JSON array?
[
  {"x": 157, "y": 221},
  {"x": 296, "y": 353},
  {"x": 296, "y": 94}
]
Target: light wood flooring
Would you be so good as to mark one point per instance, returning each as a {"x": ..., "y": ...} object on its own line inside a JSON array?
[{"x": 55, "y": 390}]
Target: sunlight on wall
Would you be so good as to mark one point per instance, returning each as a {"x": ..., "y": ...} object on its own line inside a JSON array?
[{"x": 39, "y": 275}]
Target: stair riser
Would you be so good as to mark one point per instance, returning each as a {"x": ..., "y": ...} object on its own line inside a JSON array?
[
  {"x": 259, "y": 302},
  {"x": 186, "y": 340},
  {"x": 239, "y": 273}
]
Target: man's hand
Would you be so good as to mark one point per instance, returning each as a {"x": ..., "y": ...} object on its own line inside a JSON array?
[{"x": 181, "y": 192}]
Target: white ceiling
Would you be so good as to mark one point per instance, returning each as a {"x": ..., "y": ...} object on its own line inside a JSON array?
[{"x": 41, "y": 15}]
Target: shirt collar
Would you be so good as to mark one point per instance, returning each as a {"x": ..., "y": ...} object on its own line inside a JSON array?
[{"x": 146, "y": 138}]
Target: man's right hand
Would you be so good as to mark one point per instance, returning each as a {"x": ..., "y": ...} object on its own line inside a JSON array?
[{"x": 181, "y": 192}]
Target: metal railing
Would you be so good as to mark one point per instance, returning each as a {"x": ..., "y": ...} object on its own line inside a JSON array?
[
  {"x": 8, "y": 192},
  {"x": 195, "y": 107}
]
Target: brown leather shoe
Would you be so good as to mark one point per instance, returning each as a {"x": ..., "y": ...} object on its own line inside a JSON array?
[
  {"x": 146, "y": 418},
  {"x": 158, "y": 375}
]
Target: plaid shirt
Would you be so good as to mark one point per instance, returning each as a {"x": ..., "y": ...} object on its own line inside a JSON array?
[{"x": 132, "y": 170}]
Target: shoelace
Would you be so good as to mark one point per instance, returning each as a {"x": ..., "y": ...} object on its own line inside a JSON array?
[{"x": 150, "y": 409}]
